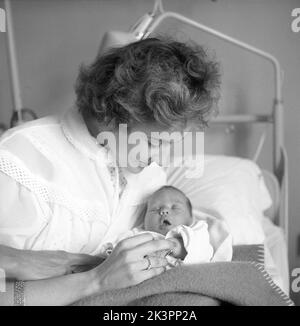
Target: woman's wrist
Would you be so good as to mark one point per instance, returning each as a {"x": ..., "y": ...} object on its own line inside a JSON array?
[
  {"x": 16, "y": 264},
  {"x": 9, "y": 261},
  {"x": 94, "y": 282}
]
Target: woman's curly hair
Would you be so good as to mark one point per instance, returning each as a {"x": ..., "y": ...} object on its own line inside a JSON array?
[{"x": 154, "y": 80}]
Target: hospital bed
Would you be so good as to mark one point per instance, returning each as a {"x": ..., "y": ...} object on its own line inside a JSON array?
[{"x": 274, "y": 219}]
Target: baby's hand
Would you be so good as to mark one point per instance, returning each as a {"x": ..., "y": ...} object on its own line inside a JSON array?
[{"x": 179, "y": 250}]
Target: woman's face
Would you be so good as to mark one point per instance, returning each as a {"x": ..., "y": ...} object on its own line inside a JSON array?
[{"x": 146, "y": 143}]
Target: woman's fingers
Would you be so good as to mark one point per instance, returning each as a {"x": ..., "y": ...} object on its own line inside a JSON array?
[
  {"x": 148, "y": 263},
  {"x": 151, "y": 247},
  {"x": 133, "y": 242},
  {"x": 138, "y": 272}
]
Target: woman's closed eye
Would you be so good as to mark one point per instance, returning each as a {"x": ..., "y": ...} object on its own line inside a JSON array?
[{"x": 155, "y": 142}]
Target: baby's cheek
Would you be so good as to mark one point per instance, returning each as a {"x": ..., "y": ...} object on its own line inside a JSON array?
[
  {"x": 150, "y": 222},
  {"x": 179, "y": 219}
]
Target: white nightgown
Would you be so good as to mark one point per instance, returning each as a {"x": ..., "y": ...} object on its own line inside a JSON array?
[{"x": 56, "y": 191}]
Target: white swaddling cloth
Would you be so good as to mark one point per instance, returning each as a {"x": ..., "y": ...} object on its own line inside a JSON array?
[{"x": 201, "y": 245}]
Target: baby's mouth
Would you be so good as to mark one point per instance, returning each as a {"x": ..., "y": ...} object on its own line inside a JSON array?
[{"x": 165, "y": 223}]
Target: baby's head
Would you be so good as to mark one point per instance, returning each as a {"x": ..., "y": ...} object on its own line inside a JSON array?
[{"x": 167, "y": 208}]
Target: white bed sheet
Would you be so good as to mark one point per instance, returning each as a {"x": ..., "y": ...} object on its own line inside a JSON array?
[{"x": 277, "y": 246}]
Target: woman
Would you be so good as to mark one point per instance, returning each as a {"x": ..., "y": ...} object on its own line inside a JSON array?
[{"x": 63, "y": 190}]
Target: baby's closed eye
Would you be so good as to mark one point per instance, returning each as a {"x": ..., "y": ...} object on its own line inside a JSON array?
[
  {"x": 153, "y": 210},
  {"x": 177, "y": 207}
]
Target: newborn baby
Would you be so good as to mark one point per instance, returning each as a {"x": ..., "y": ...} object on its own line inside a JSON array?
[{"x": 169, "y": 215}]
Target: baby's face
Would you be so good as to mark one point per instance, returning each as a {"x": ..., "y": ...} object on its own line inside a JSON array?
[{"x": 166, "y": 209}]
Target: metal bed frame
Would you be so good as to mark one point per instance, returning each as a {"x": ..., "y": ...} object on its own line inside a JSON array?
[{"x": 143, "y": 29}]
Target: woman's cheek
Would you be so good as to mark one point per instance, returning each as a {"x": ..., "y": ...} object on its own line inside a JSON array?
[
  {"x": 161, "y": 155},
  {"x": 138, "y": 155}
]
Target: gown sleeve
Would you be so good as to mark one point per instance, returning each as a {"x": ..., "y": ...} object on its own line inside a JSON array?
[{"x": 21, "y": 214}]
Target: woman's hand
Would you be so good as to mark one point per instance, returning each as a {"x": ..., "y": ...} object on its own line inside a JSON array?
[
  {"x": 35, "y": 265},
  {"x": 131, "y": 263}
]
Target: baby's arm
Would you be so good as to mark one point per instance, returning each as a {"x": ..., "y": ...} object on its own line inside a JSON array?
[
  {"x": 179, "y": 251},
  {"x": 193, "y": 243}
]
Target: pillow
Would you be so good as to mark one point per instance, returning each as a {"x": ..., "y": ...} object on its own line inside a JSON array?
[{"x": 231, "y": 189}]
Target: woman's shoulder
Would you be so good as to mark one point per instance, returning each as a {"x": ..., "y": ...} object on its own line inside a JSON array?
[
  {"x": 31, "y": 146},
  {"x": 42, "y": 125}
]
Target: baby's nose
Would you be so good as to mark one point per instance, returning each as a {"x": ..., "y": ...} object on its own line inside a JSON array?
[{"x": 164, "y": 211}]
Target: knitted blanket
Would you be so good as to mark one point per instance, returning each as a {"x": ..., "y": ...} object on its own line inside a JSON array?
[{"x": 242, "y": 282}]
